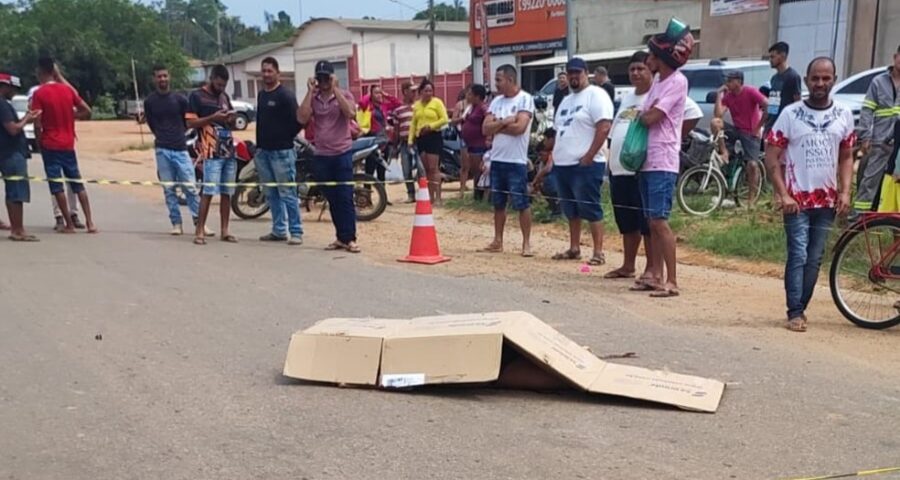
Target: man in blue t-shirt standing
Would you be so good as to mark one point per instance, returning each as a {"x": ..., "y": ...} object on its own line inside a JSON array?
[
  {"x": 14, "y": 156},
  {"x": 165, "y": 113},
  {"x": 277, "y": 125}
]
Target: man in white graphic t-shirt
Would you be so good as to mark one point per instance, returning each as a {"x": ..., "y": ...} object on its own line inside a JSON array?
[
  {"x": 583, "y": 121},
  {"x": 509, "y": 122},
  {"x": 811, "y": 181}
]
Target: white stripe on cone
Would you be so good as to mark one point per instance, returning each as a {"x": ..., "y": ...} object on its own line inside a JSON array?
[
  {"x": 423, "y": 221},
  {"x": 422, "y": 195}
]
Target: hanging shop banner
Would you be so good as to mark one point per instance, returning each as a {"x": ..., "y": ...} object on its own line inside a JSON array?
[{"x": 718, "y": 8}]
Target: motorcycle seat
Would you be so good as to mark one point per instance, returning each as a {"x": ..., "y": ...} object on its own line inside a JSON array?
[{"x": 363, "y": 143}]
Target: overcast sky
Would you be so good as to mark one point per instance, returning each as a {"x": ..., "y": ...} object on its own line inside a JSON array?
[{"x": 251, "y": 11}]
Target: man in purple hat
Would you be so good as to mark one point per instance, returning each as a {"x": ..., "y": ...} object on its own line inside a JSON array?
[{"x": 663, "y": 113}]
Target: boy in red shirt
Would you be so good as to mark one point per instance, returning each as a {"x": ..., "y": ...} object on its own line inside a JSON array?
[{"x": 60, "y": 105}]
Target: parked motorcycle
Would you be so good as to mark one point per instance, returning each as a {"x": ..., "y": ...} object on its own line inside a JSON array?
[
  {"x": 369, "y": 196},
  {"x": 451, "y": 155}
]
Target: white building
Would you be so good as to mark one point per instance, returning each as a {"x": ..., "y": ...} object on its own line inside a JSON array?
[
  {"x": 244, "y": 68},
  {"x": 369, "y": 49}
]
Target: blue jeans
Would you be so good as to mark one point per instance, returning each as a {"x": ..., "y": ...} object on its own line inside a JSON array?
[
  {"x": 579, "y": 191},
  {"x": 807, "y": 233},
  {"x": 281, "y": 166},
  {"x": 16, "y": 165},
  {"x": 221, "y": 173},
  {"x": 548, "y": 189},
  {"x": 62, "y": 164},
  {"x": 176, "y": 166},
  {"x": 657, "y": 191},
  {"x": 338, "y": 168},
  {"x": 509, "y": 184}
]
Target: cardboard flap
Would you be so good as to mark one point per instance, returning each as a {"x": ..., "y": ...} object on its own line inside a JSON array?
[
  {"x": 357, "y": 327},
  {"x": 545, "y": 345},
  {"x": 684, "y": 391},
  {"x": 473, "y": 322}
]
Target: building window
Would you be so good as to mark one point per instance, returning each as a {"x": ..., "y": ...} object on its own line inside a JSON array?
[
  {"x": 238, "y": 91},
  {"x": 251, "y": 88}
]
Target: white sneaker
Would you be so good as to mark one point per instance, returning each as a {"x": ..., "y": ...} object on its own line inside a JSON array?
[
  {"x": 299, "y": 241},
  {"x": 177, "y": 230}
]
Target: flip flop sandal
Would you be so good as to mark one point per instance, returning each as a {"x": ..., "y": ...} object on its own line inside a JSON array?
[
  {"x": 199, "y": 241},
  {"x": 665, "y": 293},
  {"x": 25, "y": 238},
  {"x": 567, "y": 255},
  {"x": 597, "y": 260},
  {"x": 335, "y": 246},
  {"x": 618, "y": 274},
  {"x": 528, "y": 254},
  {"x": 491, "y": 249},
  {"x": 352, "y": 248},
  {"x": 643, "y": 287},
  {"x": 230, "y": 239},
  {"x": 4, "y": 226},
  {"x": 796, "y": 325}
]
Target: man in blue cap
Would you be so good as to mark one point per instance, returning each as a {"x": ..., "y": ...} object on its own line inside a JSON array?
[{"x": 582, "y": 125}]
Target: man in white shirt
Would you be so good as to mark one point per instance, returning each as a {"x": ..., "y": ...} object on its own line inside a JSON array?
[
  {"x": 810, "y": 162},
  {"x": 623, "y": 184},
  {"x": 583, "y": 121},
  {"x": 509, "y": 122}
]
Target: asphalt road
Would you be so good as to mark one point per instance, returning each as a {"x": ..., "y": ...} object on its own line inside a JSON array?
[{"x": 186, "y": 382}]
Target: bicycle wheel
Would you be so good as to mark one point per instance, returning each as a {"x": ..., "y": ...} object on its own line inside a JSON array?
[
  {"x": 742, "y": 187},
  {"x": 864, "y": 273},
  {"x": 700, "y": 190}
]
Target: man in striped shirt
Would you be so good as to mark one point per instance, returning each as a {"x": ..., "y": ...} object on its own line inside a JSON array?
[{"x": 401, "y": 118}]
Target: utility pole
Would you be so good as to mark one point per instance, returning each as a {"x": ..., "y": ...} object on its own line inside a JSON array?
[
  {"x": 571, "y": 29},
  {"x": 219, "y": 32},
  {"x": 431, "y": 38}
]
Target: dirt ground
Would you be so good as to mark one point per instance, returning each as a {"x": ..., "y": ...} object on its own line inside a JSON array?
[{"x": 716, "y": 293}]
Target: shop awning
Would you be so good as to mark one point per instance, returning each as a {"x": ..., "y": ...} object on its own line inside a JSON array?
[{"x": 588, "y": 57}]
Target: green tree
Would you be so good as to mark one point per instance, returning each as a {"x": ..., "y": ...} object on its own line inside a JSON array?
[
  {"x": 94, "y": 42},
  {"x": 445, "y": 12}
]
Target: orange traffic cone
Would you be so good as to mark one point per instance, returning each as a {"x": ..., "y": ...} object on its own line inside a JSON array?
[{"x": 423, "y": 247}]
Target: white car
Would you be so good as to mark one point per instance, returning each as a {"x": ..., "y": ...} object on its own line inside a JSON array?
[
  {"x": 852, "y": 91},
  {"x": 246, "y": 114},
  {"x": 20, "y": 102}
]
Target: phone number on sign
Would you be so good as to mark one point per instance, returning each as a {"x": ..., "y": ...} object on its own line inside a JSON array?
[{"x": 528, "y": 5}]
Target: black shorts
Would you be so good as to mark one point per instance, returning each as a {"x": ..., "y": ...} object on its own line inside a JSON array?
[
  {"x": 627, "y": 206},
  {"x": 431, "y": 143}
]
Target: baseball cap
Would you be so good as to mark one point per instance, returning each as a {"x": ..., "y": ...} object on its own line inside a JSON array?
[
  {"x": 735, "y": 74},
  {"x": 324, "y": 67},
  {"x": 10, "y": 79},
  {"x": 576, "y": 64}
]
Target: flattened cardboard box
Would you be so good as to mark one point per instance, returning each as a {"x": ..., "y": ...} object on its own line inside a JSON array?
[{"x": 468, "y": 349}]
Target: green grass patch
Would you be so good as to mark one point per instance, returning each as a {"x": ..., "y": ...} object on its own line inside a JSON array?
[{"x": 756, "y": 235}]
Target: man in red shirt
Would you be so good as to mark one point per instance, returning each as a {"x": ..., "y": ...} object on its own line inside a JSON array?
[
  {"x": 60, "y": 105},
  {"x": 749, "y": 112}
]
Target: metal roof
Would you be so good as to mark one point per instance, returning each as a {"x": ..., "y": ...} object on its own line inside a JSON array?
[
  {"x": 247, "y": 53},
  {"x": 420, "y": 26}
]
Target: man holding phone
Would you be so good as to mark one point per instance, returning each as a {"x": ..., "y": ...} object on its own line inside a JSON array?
[
  {"x": 211, "y": 113},
  {"x": 332, "y": 110}
]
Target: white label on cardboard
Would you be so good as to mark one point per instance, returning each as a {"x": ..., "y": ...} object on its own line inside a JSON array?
[{"x": 403, "y": 380}]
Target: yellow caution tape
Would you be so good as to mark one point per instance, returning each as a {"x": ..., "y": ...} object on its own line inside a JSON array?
[
  {"x": 861, "y": 473},
  {"x": 159, "y": 183}
]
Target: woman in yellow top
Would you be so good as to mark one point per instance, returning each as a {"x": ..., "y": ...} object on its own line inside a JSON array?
[{"x": 429, "y": 116}]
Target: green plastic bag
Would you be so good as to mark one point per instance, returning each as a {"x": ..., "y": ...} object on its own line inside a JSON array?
[{"x": 634, "y": 150}]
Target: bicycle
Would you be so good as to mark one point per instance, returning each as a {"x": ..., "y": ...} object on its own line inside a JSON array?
[
  {"x": 865, "y": 271},
  {"x": 703, "y": 188}
]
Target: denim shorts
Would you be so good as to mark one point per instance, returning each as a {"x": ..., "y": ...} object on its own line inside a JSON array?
[
  {"x": 657, "y": 190},
  {"x": 219, "y": 171},
  {"x": 509, "y": 184},
  {"x": 59, "y": 164},
  {"x": 16, "y": 165},
  {"x": 579, "y": 190},
  {"x": 476, "y": 150}
]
